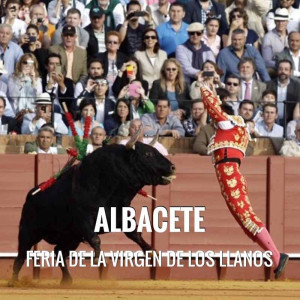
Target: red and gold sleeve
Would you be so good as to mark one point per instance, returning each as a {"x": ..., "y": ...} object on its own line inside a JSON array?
[{"x": 213, "y": 105}]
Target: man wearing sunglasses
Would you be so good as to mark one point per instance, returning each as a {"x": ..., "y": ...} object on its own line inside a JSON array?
[
  {"x": 193, "y": 53},
  {"x": 232, "y": 85}
]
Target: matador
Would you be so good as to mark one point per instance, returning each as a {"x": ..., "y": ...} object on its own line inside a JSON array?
[{"x": 228, "y": 147}]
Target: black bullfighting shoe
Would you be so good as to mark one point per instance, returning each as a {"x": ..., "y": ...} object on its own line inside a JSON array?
[{"x": 284, "y": 258}]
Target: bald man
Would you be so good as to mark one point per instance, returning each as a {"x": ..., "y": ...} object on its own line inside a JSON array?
[{"x": 133, "y": 128}]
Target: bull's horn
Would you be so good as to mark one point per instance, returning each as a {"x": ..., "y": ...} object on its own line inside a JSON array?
[
  {"x": 155, "y": 139},
  {"x": 130, "y": 144}
]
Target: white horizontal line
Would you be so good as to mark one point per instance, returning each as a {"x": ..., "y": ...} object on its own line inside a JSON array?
[{"x": 164, "y": 254}]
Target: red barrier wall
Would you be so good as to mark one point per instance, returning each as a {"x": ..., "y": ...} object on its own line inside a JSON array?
[{"x": 273, "y": 191}]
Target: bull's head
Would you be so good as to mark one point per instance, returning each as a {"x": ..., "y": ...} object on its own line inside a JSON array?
[{"x": 151, "y": 166}]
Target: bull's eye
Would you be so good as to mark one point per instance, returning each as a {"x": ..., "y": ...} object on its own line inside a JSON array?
[{"x": 149, "y": 154}]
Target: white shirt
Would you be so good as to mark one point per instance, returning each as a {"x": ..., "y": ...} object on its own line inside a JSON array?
[
  {"x": 135, "y": 114},
  {"x": 55, "y": 92},
  {"x": 52, "y": 150},
  {"x": 281, "y": 96},
  {"x": 100, "y": 112},
  {"x": 100, "y": 36},
  {"x": 296, "y": 60}
]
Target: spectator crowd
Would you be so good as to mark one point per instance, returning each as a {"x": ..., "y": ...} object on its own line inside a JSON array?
[{"x": 124, "y": 60}]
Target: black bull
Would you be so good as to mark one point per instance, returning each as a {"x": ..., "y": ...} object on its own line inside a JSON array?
[{"x": 64, "y": 214}]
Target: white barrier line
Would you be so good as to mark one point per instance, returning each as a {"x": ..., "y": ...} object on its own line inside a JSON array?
[{"x": 163, "y": 254}]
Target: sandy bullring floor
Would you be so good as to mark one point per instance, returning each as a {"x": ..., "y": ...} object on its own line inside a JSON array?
[{"x": 145, "y": 290}]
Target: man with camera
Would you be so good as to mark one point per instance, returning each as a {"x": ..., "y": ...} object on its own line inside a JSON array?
[
  {"x": 46, "y": 30},
  {"x": 95, "y": 71},
  {"x": 12, "y": 8},
  {"x": 193, "y": 53},
  {"x": 97, "y": 90},
  {"x": 131, "y": 30},
  {"x": 58, "y": 86},
  {"x": 32, "y": 122}
]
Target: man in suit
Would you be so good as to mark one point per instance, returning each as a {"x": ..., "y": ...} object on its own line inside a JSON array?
[
  {"x": 58, "y": 86},
  {"x": 251, "y": 89},
  {"x": 287, "y": 90},
  {"x": 292, "y": 53},
  {"x": 4, "y": 120},
  {"x": 73, "y": 58}
]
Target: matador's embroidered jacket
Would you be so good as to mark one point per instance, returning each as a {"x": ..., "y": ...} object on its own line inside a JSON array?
[{"x": 233, "y": 133}]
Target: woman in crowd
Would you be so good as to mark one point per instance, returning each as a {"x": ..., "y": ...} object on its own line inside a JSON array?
[
  {"x": 150, "y": 56},
  {"x": 171, "y": 86},
  {"x": 210, "y": 37},
  {"x": 210, "y": 73},
  {"x": 130, "y": 71},
  {"x": 121, "y": 118},
  {"x": 140, "y": 104},
  {"x": 24, "y": 13},
  {"x": 24, "y": 84},
  {"x": 12, "y": 8},
  {"x": 33, "y": 45},
  {"x": 99, "y": 94},
  {"x": 238, "y": 18},
  {"x": 87, "y": 107},
  {"x": 112, "y": 59}
]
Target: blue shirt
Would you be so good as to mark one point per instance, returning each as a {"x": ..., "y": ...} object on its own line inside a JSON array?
[
  {"x": 169, "y": 39},
  {"x": 262, "y": 129},
  {"x": 10, "y": 58},
  {"x": 228, "y": 62},
  {"x": 172, "y": 123},
  {"x": 173, "y": 100}
]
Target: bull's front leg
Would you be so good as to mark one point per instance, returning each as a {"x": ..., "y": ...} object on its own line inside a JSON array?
[
  {"x": 137, "y": 238},
  {"x": 65, "y": 249}
]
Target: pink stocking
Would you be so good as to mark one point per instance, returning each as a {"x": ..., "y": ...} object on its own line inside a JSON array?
[{"x": 264, "y": 239}]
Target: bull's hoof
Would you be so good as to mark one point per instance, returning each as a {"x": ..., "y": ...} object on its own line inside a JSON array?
[
  {"x": 151, "y": 253},
  {"x": 12, "y": 282},
  {"x": 66, "y": 282}
]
